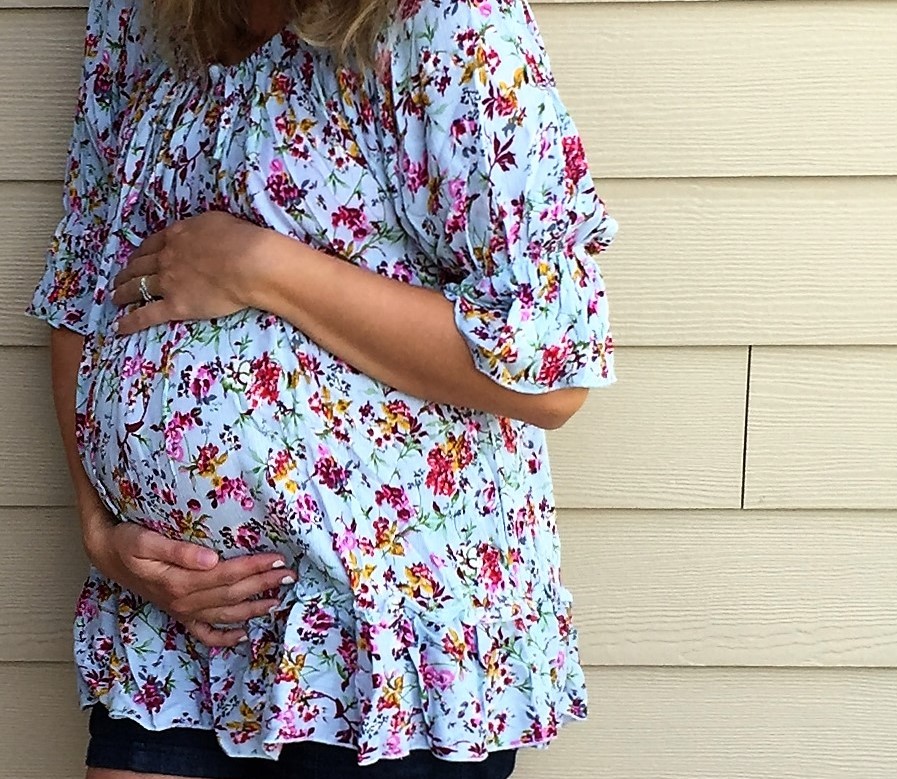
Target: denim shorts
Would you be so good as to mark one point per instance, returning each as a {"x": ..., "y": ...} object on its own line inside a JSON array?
[{"x": 124, "y": 745}]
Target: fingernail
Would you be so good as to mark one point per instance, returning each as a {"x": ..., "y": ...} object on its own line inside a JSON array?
[
  {"x": 207, "y": 557},
  {"x": 243, "y": 639},
  {"x": 278, "y": 564},
  {"x": 114, "y": 327},
  {"x": 288, "y": 580}
]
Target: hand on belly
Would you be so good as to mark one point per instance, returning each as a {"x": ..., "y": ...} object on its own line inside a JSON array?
[{"x": 188, "y": 581}]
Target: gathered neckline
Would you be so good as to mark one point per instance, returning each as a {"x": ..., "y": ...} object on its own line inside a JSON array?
[{"x": 263, "y": 48}]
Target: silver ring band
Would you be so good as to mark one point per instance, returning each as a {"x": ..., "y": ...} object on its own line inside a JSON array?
[{"x": 144, "y": 292}]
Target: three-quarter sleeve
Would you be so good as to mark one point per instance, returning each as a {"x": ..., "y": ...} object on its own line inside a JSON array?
[
  {"x": 494, "y": 185},
  {"x": 67, "y": 289}
]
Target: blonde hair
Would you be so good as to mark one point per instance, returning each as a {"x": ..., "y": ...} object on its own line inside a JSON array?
[{"x": 192, "y": 33}]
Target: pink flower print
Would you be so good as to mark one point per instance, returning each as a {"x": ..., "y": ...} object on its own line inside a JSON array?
[
  {"x": 554, "y": 358},
  {"x": 87, "y": 606},
  {"x": 346, "y": 542},
  {"x": 354, "y": 219},
  {"x": 331, "y": 474},
  {"x": 282, "y": 188},
  {"x": 247, "y": 538},
  {"x": 266, "y": 375},
  {"x": 307, "y": 509},
  {"x": 397, "y": 498},
  {"x": 594, "y": 306},
  {"x": 233, "y": 489},
  {"x": 435, "y": 678},
  {"x": 489, "y": 495},
  {"x": 440, "y": 478},
  {"x": 132, "y": 366},
  {"x": 457, "y": 218},
  {"x": 174, "y": 434},
  {"x": 462, "y": 127},
  {"x": 151, "y": 695},
  {"x": 319, "y": 621},
  {"x": 394, "y": 744},
  {"x": 575, "y": 165},
  {"x": 416, "y": 174},
  {"x": 201, "y": 382},
  {"x": 491, "y": 573},
  {"x": 484, "y": 7},
  {"x": 207, "y": 460}
]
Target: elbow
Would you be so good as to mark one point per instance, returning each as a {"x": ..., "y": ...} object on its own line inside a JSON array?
[{"x": 554, "y": 409}]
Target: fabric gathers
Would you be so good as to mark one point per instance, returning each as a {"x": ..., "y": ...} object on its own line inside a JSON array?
[{"x": 429, "y": 611}]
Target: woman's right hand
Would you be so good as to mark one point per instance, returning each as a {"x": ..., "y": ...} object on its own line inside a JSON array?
[{"x": 188, "y": 581}]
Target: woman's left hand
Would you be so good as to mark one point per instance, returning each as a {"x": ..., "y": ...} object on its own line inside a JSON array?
[{"x": 192, "y": 269}]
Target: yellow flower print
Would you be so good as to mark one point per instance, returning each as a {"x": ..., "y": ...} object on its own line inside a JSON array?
[
  {"x": 392, "y": 693},
  {"x": 249, "y": 723},
  {"x": 358, "y": 576},
  {"x": 420, "y": 583},
  {"x": 396, "y": 419},
  {"x": 66, "y": 281},
  {"x": 291, "y": 667},
  {"x": 476, "y": 67}
]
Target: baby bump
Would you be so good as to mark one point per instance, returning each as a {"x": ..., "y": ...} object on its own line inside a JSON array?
[{"x": 207, "y": 432}]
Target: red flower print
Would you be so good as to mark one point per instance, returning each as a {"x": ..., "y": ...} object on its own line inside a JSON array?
[
  {"x": 247, "y": 538},
  {"x": 152, "y": 695},
  {"x": 491, "y": 571},
  {"x": 233, "y": 489},
  {"x": 282, "y": 188},
  {"x": 201, "y": 382},
  {"x": 354, "y": 219},
  {"x": 440, "y": 478},
  {"x": 266, "y": 377},
  {"x": 575, "y": 166},
  {"x": 331, "y": 474},
  {"x": 554, "y": 358},
  {"x": 397, "y": 498},
  {"x": 408, "y": 8},
  {"x": 67, "y": 285}
]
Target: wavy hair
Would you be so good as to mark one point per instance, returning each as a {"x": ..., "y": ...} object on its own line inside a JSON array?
[{"x": 192, "y": 33}]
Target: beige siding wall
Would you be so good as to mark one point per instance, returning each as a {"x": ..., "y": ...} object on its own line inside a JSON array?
[{"x": 729, "y": 509}]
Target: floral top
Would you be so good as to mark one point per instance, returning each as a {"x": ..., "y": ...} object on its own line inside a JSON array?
[{"x": 429, "y": 612}]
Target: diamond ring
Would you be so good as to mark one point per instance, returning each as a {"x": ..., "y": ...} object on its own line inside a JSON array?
[{"x": 144, "y": 292}]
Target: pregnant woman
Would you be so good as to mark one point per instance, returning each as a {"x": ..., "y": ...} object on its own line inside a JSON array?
[{"x": 325, "y": 275}]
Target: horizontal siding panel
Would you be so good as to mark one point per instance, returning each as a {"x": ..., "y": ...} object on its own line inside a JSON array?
[
  {"x": 31, "y": 459},
  {"x": 730, "y": 89},
  {"x": 668, "y": 435},
  {"x": 29, "y": 214},
  {"x": 42, "y": 732},
  {"x": 753, "y": 261},
  {"x": 650, "y": 588},
  {"x": 698, "y": 262},
  {"x": 733, "y": 588},
  {"x": 658, "y": 89},
  {"x": 729, "y": 724},
  {"x": 644, "y": 724},
  {"x": 822, "y": 428},
  {"x": 42, "y": 567}
]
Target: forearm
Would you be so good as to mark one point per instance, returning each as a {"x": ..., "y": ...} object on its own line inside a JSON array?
[
  {"x": 402, "y": 335},
  {"x": 65, "y": 354}
]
